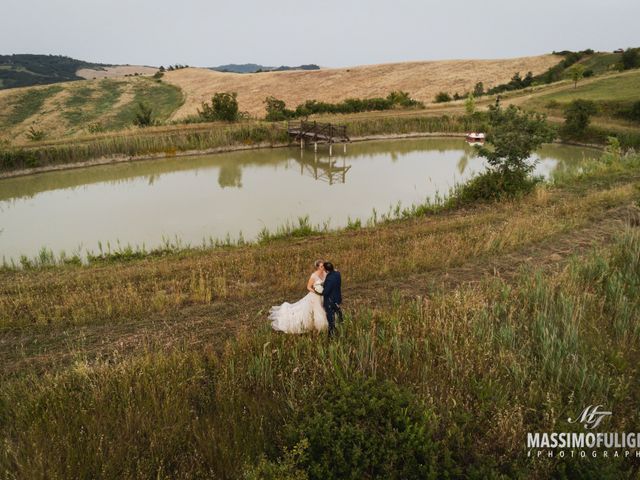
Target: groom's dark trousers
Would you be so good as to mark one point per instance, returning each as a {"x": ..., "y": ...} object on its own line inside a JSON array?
[{"x": 332, "y": 298}]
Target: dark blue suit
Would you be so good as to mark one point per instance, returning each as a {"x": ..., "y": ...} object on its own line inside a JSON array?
[{"x": 332, "y": 298}]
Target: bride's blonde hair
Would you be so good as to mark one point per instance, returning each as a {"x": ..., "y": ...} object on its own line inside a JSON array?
[{"x": 318, "y": 263}]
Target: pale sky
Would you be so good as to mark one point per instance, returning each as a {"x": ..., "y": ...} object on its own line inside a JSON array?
[{"x": 325, "y": 32}]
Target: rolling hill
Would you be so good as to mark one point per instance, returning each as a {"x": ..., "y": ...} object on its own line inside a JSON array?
[
  {"x": 108, "y": 104},
  {"x": 421, "y": 79}
]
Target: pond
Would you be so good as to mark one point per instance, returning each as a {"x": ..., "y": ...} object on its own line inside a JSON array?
[{"x": 197, "y": 199}]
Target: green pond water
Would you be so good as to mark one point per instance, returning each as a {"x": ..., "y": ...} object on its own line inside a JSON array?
[{"x": 196, "y": 199}]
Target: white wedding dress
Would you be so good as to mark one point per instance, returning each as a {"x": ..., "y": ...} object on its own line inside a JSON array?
[{"x": 305, "y": 315}]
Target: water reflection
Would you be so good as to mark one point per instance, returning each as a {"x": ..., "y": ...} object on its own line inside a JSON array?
[
  {"x": 211, "y": 196},
  {"x": 328, "y": 169},
  {"x": 230, "y": 175}
]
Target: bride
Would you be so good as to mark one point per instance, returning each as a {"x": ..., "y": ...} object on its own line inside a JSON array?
[{"x": 306, "y": 314}]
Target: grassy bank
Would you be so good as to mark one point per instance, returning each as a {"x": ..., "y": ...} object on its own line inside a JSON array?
[{"x": 169, "y": 141}]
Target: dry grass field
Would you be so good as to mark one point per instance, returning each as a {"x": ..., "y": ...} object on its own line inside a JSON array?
[
  {"x": 421, "y": 79},
  {"x": 117, "y": 71}
]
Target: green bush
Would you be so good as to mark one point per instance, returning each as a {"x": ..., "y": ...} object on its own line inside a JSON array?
[
  {"x": 494, "y": 185},
  {"x": 442, "y": 97},
  {"x": 403, "y": 99},
  {"x": 286, "y": 468},
  {"x": 143, "y": 115},
  {"x": 634, "y": 112},
  {"x": 577, "y": 118},
  {"x": 366, "y": 428},
  {"x": 35, "y": 135},
  {"x": 630, "y": 59},
  {"x": 223, "y": 107},
  {"x": 277, "y": 110}
]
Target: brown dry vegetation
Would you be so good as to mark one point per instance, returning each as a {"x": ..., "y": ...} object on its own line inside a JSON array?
[
  {"x": 421, "y": 79},
  {"x": 117, "y": 71}
]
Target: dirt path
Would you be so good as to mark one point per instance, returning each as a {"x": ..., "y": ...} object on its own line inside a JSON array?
[{"x": 209, "y": 326}]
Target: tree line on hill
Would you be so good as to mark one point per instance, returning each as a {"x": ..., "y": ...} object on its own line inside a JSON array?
[{"x": 24, "y": 70}]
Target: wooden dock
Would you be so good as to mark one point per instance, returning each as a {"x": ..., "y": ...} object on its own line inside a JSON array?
[{"x": 315, "y": 132}]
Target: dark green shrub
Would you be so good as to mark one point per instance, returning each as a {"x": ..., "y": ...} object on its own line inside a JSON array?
[
  {"x": 577, "y": 116},
  {"x": 494, "y": 185},
  {"x": 630, "y": 59},
  {"x": 634, "y": 112},
  {"x": 277, "y": 110},
  {"x": 223, "y": 107},
  {"x": 35, "y": 135},
  {"x": 403, "y": 99},
  {"x": 442, "y": 97},
  {"x": 367, "y": 428},
  {"x": 143, "y": 115}
]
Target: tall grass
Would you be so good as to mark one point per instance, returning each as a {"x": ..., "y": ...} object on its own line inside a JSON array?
[
  {"x": 488, "y": 363},
  {"x": 140, "y": 145},
  {"x": 170, "y": 141}
]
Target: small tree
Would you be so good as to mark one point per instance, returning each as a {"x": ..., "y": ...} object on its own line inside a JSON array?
[
  {"x": 143, "y": 115},
  {"x": 478, "y": 90},
  {"x": 577, "y": 116},
  {"x": 576, "y": 72},
  {"x": 224, "y": 106},
  {"x": 470, "y": 105},
  {"x": 630, "y": 59},
  {"x": 514, "y": 135}
]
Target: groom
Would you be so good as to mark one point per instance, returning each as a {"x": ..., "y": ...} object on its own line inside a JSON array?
[{"x": 332, "y": 296}]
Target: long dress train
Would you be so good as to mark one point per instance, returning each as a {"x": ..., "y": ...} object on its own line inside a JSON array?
[{"x": 305, "y": 315}]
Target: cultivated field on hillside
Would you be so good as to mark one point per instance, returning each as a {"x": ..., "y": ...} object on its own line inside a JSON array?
[
  {"x": 423, "y": 80},
  {"x": 82, "y": 107}
]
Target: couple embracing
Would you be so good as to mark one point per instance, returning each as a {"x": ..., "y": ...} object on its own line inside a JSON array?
[{"x": 315, "y": 311}]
